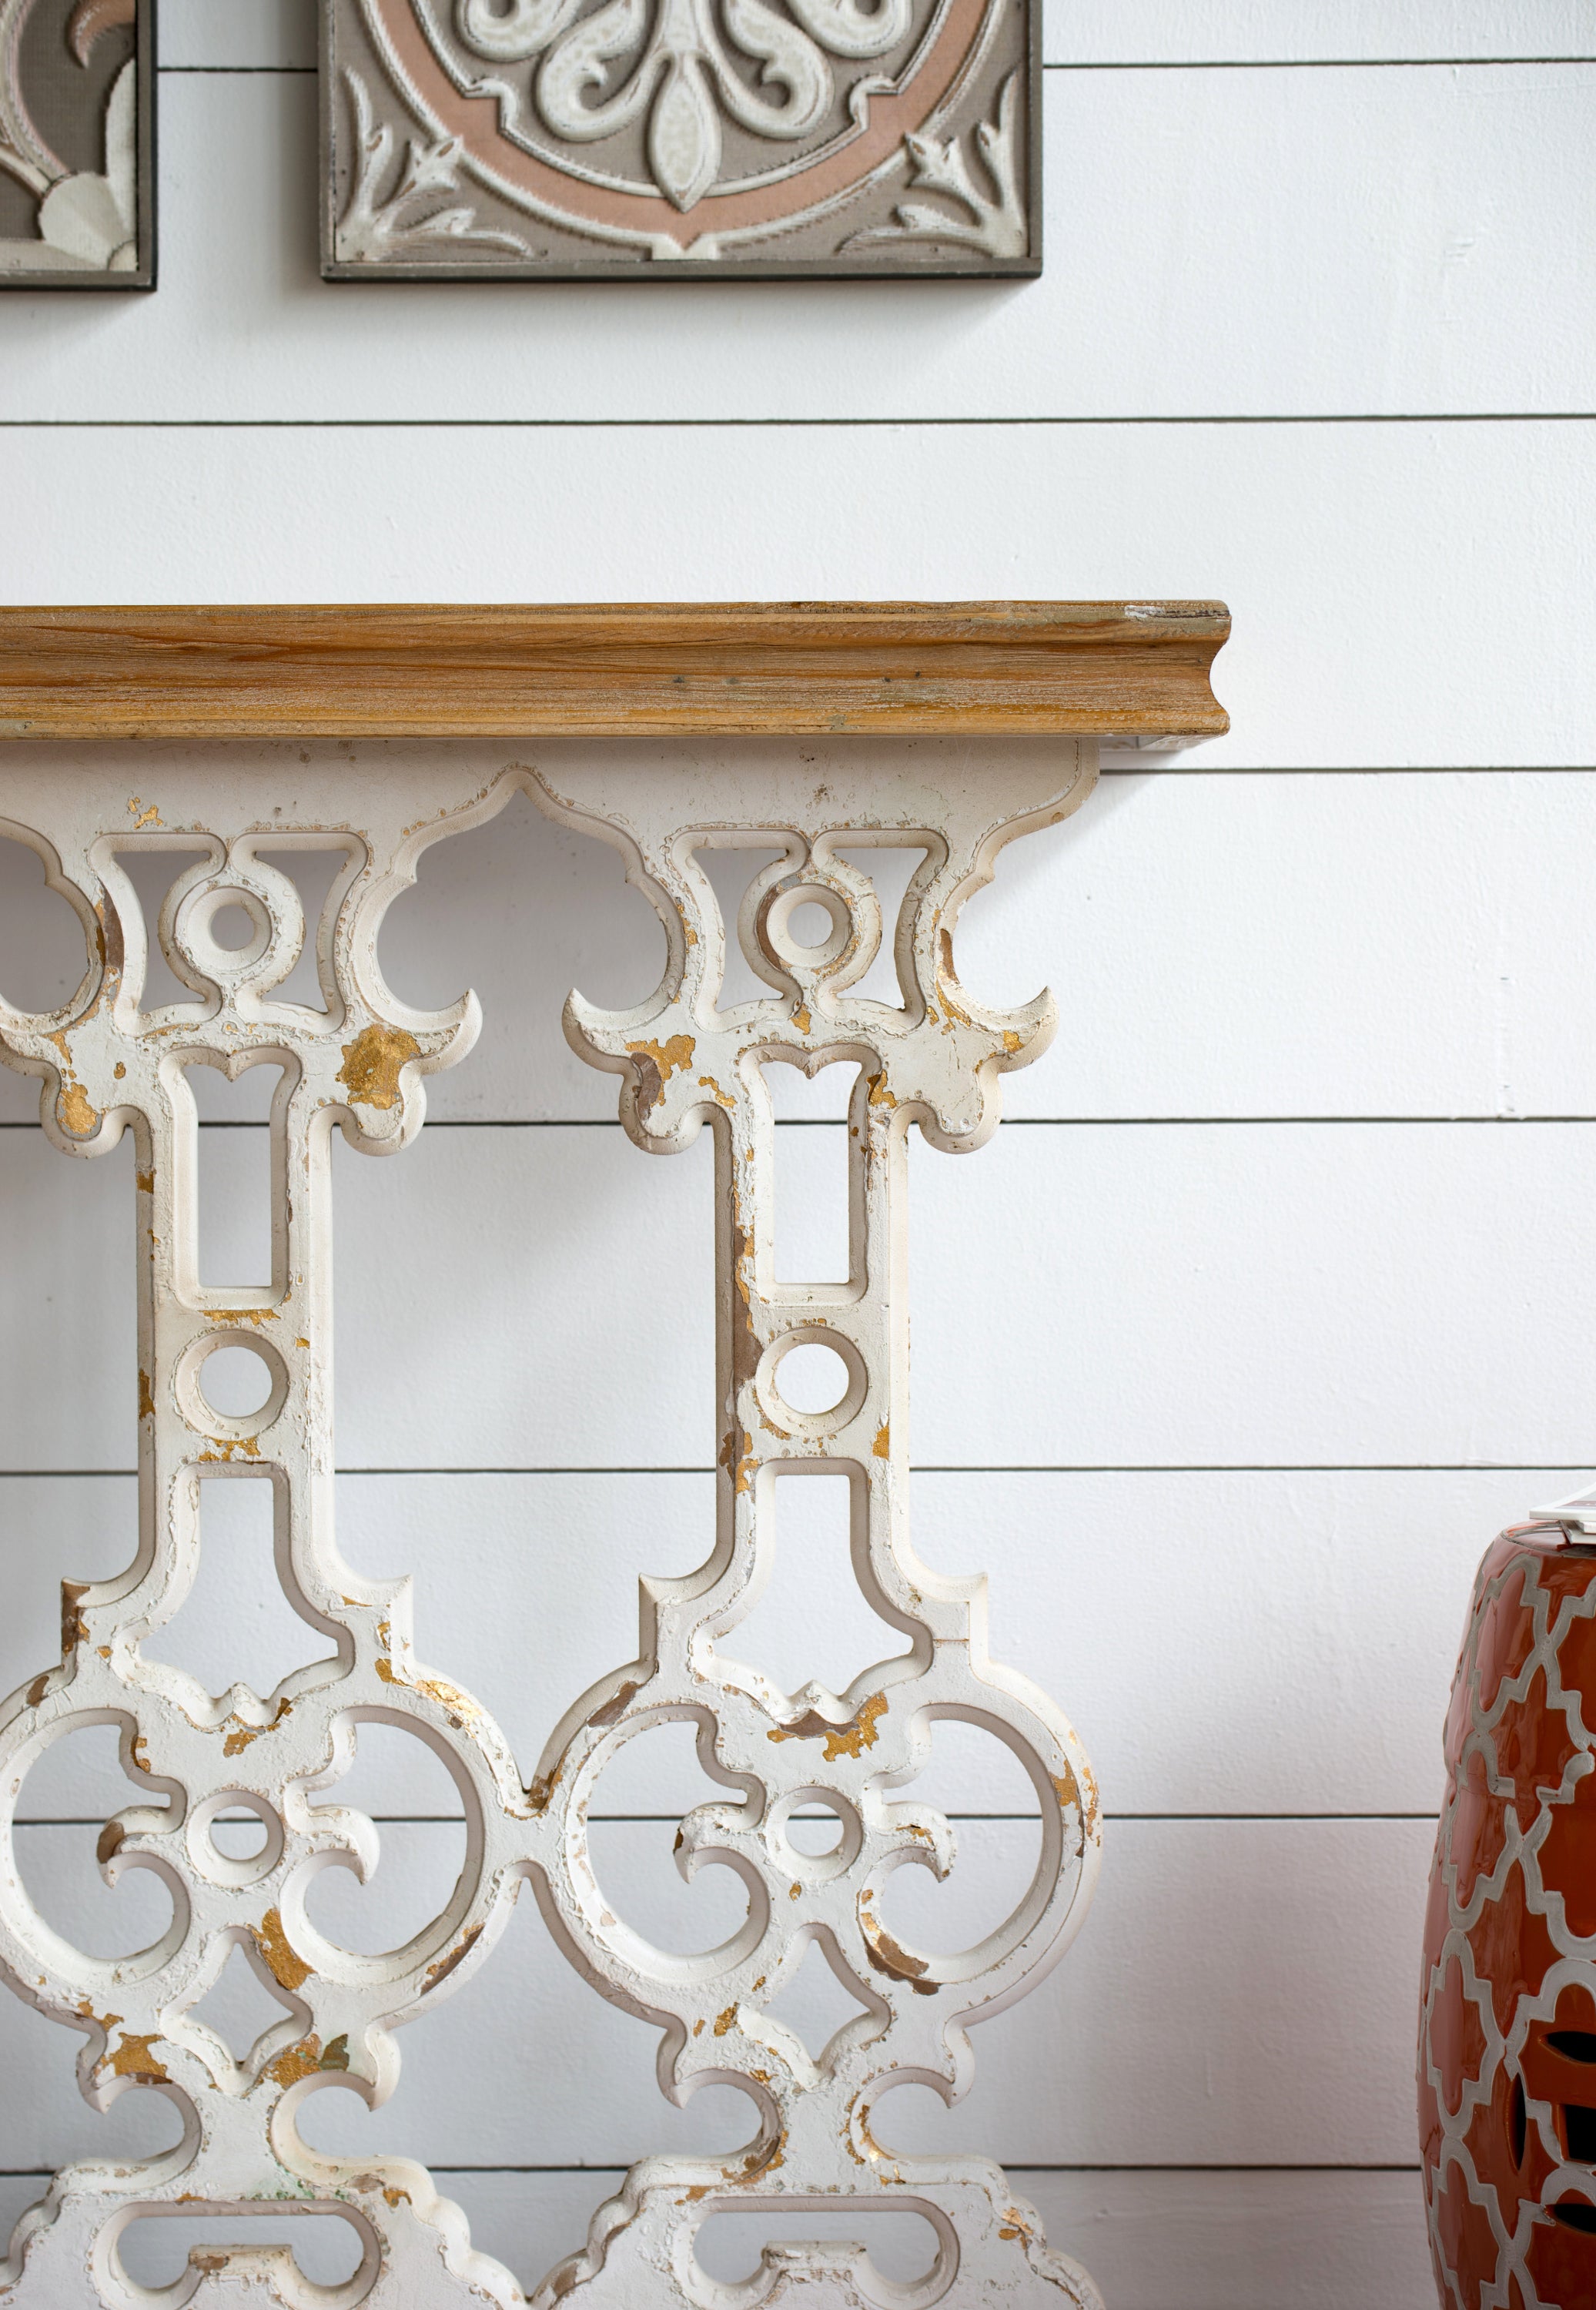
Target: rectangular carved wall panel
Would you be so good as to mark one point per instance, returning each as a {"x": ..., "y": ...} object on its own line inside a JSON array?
[
  {"x": 659, "y": 139},
  {"x": 223, "y": 826},
  {"x": 77, "y": 187}
]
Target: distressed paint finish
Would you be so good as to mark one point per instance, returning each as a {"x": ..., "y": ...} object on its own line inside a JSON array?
[
  {"x": 108, "y": 1067},
  {"x": 821, "y": 2128},
  {"x": 823, "y": 2134}
]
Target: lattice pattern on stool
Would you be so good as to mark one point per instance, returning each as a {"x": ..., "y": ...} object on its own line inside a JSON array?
[{"x": 1507, "y": 2023}]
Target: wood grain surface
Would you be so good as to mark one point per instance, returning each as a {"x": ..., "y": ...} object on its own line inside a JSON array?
[{"x": 609, "y": 670}]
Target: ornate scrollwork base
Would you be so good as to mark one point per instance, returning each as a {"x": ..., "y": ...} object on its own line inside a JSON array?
[{"x": 820, "y": 2127}]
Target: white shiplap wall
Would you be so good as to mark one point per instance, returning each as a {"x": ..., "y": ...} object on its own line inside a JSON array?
[{"x": 1272, "y": 1304}]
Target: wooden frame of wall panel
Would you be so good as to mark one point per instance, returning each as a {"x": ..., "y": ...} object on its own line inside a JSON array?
[
  {"x": 909, "y": 146},
  {"x": 456, "y": 670},
  {"x": 77, "y": 141}
]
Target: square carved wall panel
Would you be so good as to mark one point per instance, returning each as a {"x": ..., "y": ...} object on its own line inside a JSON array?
[
  {"x": 77, "y": 207},
  {"x": 659, "y": 139}
]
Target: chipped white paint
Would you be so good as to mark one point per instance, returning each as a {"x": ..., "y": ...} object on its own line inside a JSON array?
[
  {"x": 687, "y": 1062},
  {"x": 821, "y": 2129}
]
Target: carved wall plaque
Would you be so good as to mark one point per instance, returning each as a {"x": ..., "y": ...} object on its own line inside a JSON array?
[
  {"x": 650, "y": 139},
  {"x": 946, "y": 778},
  {"x": 76, "y": 145}
]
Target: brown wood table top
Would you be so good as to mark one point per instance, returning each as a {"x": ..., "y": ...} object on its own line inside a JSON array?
[{"x": 462, "y": 670}]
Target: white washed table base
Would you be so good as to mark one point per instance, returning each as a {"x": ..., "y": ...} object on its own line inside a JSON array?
[{"x": 820, "y": 2139}]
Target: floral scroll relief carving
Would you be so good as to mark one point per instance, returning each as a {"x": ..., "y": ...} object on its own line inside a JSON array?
[
  {"x": 396, "y": 213},
  {"x": 676, "y": 70},
  {"x": 820, "y": 2126},
  {"x": 86, "y": 220},
  {"x": 994, "y": 220},
  {"x": 659, "y": 137}
]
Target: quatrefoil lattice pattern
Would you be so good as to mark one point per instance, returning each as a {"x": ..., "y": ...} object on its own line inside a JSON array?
[{"x": 819, "y": 2135}]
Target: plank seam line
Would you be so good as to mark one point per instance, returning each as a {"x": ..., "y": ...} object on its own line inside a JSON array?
[
  {"x": 1011, "y": 2165},
  {"x": 1152, "y": 766},
  {"x": 1010, "y": 1123},
  {"x": 1309, "y": 64},
  {"x": 669, "y": 1819},
  {"x": 902, "y": 424},
  {"x": 950, "y": 1468}
]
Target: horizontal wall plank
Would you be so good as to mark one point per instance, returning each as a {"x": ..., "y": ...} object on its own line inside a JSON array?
[
  {"x": 1203, "y": 1294},
  {"x": 1364, "y": 1293},
  {"x": 1417, "y": 242},
  {"x": 1293, "y": 1636},
  {"x": 1162, "y": 2240},
  {"x": 1177, "y": 32},
  {"x": 1242, "y": 1993},
  {"x": 1248, "y": 1294},
  {"x": 1312, "y": 945},
  {"x": 238, "y": 36},
  {"x": 241, "y": 35},
  {"x": 1480, "y": 567},
  {"x": 1217, "y": 946}
]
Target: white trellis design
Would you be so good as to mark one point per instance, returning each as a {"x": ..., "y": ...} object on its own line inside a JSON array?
[{"x": 818, "y": 2138}]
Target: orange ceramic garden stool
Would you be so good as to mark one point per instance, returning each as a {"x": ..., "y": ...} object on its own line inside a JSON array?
[{"x": 1507, "y": 2022}]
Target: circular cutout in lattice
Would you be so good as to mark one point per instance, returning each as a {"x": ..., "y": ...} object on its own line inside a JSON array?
[
  {"x": 237, "y": 1382},
  {"x": 232, "y": 1385},
  {"x": 793, "y": 914},
  {"x": 805, "y": 1411},
  {"x": 238, "y": 927},
  {"x": 815, "y": 1833},
  {"x": 232, "y": 927},
  {"x": 224, "y": 928},
  {"x": 814, "y": 1378},
  {"x": 235, "y": 1838}
]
